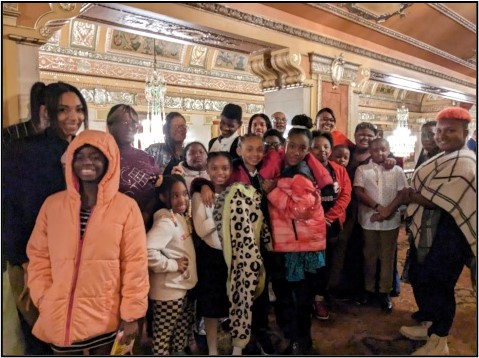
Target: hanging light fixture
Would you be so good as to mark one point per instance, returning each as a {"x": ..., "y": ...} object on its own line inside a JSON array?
[
  {"x": 401, "y": 142},
  {"x": 155, "y": 90}
]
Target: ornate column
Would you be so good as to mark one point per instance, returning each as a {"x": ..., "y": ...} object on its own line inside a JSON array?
[
  {"x": 27, "y": 26},
  {"x": 284, "y": 81}
]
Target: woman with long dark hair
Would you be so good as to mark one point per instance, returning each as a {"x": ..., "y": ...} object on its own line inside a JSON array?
[{"x": 33, "y": 171}]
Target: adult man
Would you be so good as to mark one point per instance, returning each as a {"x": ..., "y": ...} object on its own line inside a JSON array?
[
  {"x": 279, "y": 121},
  {"x": 442, "y": 223},
  {"x": 429, "y": 146}
]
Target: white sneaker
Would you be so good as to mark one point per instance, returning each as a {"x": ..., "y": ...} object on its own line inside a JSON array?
[
  {"x": 435, "y": 346},
  {"x": 416, "y": 333}
]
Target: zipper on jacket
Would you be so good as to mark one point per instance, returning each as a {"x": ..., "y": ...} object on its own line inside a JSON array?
[
  {"x": 75, "y": 278},
  {"x": 295, "y": 232}
]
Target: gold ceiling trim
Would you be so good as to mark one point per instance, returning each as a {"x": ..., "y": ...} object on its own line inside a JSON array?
[
  {"x": 365, "y": 21},
  {"x": 314, "y": 37},
  {"x": 151, "y": 25},
  {"x": 454, "y": 16}
]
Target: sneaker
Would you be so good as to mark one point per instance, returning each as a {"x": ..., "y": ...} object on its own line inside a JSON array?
[
  {"x": 416, "y": 333},
  {"x": 320, "y": 310},
  {"x": 386, "y": 303},
  {"x": 435, "y": 346}
]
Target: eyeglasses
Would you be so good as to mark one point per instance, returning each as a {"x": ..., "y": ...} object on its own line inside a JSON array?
[{"x": 274, "y": 145}]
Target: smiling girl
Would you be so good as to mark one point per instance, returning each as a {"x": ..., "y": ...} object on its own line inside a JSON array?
[
  {"x": 172, "y": 264},
  {"x": 88, "y": 267}
]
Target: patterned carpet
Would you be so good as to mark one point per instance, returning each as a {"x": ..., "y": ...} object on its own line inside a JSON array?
[
  {"x": 358, "y": 330},
  {"x": 366, "y": 330}
]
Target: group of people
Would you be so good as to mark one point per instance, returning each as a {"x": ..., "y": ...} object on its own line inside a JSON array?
[{"x": 99, "y": 235}]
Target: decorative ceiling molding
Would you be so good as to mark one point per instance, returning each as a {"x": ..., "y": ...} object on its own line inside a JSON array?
[
  {"x": 278, "y": 69},
  {"x": 260, "y": 65},
  {"x": 417, "y": 86},
  {"x": 95, "y": 67},
  {"x": 106, "y": 97},
  {"x": 10, "y": 9},
  {"x": 151, "y": 25},
  {"x": 364, "y": 10},
  {"x": 394, "y": 34},
  {"x": 60, "y": 14},
  {"x": 310, "y": 36},
  {"x": 145, "y": 63},
  {"x": 287, "y": 64},
  {"x": 453, "y": 15}
]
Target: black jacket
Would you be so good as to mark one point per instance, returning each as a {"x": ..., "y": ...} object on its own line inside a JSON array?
[
  {"x": 233, "y": 147},
  {"x": 31, "y": 171}
]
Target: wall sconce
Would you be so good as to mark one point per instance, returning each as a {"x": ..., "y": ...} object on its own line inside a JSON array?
[{"x": 337, "y": 70}]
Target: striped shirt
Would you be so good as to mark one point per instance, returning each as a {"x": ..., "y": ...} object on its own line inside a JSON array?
[{"x": 84, "y": 216}]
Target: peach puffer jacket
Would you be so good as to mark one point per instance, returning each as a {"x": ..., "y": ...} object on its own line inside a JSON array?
[{"x": 84, "y": 287}]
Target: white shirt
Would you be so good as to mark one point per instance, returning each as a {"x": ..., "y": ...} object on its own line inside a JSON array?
[
  {"x": 167, "y": 240},
  {"x": 223, "y": 144},
  {"x": 382, "y": 186},
  {"x": 203, "y": 222}
]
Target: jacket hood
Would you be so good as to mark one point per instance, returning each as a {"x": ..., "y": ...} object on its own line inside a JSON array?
[{"x": 110, "y": 183}]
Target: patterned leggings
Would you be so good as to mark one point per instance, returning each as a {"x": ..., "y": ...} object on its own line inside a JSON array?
[{"x": 172, "y": 323}]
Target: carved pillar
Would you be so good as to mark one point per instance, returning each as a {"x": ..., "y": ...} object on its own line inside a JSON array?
[
  {"x": 20, "y": 49},
  {"x": 284, "y": 82},
  {"x": 261, "y": 66}
]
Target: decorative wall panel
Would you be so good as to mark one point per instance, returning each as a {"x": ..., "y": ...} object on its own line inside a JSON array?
[
  {"x": 125, "y": 42},
  {"x": 230, "y": 60},
  {"x": 199, "y": 54},
  {"x": 83, "y": 35}
]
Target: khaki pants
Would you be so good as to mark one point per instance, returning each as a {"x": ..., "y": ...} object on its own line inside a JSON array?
[
  {"x": 339, "y": 255},
  {"x": 17, "y": 282},
  {"x": 379, "y": 245}
]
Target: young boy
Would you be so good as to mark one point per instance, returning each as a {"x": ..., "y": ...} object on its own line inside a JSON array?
[
  {"x": 340, "y": 155},
  {"x": 376, "y": 188},
  {"x": 229, "y": 124}
]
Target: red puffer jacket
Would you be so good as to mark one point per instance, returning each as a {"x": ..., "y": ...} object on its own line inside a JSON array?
[{"x": 297, "y": 217}]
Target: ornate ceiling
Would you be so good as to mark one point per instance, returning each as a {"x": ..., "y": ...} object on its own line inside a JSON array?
[{"x": 441, "y": 33}]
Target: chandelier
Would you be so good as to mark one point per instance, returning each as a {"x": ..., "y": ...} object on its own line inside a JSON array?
[
  {"x": 401, "y": 142},
  {"x": 155, "y": 90}
]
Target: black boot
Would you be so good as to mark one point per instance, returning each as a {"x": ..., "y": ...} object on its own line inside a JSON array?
[{"x": 386, "y": 303}]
